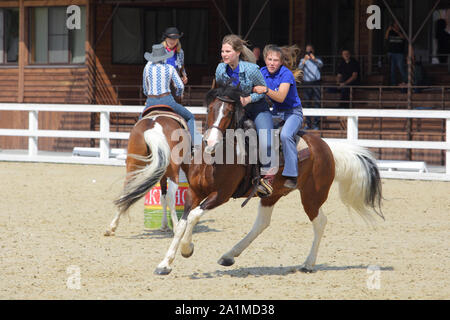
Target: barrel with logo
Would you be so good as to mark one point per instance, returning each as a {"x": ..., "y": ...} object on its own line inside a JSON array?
[{"x": 153, "y": 211}]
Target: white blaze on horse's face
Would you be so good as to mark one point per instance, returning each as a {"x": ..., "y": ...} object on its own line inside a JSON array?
[{"x": 215, "y": 134}]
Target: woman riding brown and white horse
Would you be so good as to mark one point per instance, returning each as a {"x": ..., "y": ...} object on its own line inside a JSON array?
[
  {"x": 211, "y": 185},
  {"x": 152, "y": 140}
]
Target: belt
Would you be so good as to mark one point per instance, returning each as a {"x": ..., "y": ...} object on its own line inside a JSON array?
[{"x": 159, "y": 95}]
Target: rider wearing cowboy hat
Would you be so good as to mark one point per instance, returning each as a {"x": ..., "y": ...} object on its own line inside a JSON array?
[
  {"x": 157, "y": 77},
  {"x": 171, "y": 41}
]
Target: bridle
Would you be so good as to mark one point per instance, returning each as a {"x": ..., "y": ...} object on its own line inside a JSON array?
[{"x": 227, "y": 100}]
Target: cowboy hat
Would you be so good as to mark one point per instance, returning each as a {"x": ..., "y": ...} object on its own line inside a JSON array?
[
  {"x": 172, "y": 33},
  {"x": 159, "y": 53}
]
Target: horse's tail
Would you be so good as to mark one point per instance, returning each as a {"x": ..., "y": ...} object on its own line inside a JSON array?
[
  {"x": 359, "y": 180},
  {"x": 140, "y": 181}
]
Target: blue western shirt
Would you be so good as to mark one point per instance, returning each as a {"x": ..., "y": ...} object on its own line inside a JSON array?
[
  {"x": 283, "y": 75},
  {"x": 177, "y": 61},
  {"x": 157, "y": 78}
]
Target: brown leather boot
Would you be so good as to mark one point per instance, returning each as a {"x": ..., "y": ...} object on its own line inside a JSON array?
[{"x": 290, "y": 183}]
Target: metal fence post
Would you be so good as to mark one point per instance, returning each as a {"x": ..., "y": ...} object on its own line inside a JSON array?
[
  {"x": 352, "y": 128},
  {"x": 33, "y": 125},
  {"x": 104, "y": 132},
  {"x": 447, "y": 152}
]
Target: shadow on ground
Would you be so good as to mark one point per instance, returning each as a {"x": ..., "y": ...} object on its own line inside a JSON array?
[
  {"x": 158, "y": 234},
  {"x": 277, "y": 271}
]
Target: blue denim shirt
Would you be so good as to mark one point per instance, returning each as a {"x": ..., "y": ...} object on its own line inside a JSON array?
[{"x": 249, "y": 76}]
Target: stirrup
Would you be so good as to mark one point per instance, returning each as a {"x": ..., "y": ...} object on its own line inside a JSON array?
[{"x": 264, "y": 189}]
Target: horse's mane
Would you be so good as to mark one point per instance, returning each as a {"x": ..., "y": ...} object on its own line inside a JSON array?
[{"x": 233, "y": 93}]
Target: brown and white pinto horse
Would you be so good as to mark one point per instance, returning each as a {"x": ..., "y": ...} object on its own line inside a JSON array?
[
  {"x": 150, "y": 159},
  {"x": 211, "y": 185}
]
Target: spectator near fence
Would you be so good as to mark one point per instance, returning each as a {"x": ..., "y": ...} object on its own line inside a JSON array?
[
  {"x": 396, "y": 53},
  {"x": 443, "y": 40},
  {"x": 348, "y": 75},
  {"x": 311, "y": 66}
]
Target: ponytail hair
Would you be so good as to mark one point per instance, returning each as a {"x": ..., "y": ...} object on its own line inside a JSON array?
[
  {"x": 241, "y": 46},
  {"x": 289, "y": 56}
]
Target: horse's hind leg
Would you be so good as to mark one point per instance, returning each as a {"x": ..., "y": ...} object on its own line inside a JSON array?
[
  {"x": 164, "y": 224},
  {"x": 312, "y": 202},
  {"x": 173, "y": 187},
  {"x": 261, "y": 223},
  {"x": 319, "y": 224},
  {"x": 168, "y": 198},
  {"x": 114, "y": 224}
]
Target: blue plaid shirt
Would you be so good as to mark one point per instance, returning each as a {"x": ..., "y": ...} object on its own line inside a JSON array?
[
  {"x": 249, "y": 76},
  {"x": 157, "y": 78}
]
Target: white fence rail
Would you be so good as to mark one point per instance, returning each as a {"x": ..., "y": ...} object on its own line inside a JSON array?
[{"x": 105, "y": 135}]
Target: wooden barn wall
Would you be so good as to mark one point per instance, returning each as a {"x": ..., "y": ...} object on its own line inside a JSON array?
[{"x": 44, "y": 84}]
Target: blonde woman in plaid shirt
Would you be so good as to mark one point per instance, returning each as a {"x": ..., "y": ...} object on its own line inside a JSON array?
[{"x": 239, "y": 67}]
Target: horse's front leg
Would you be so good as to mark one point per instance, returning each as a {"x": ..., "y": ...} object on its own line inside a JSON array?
[
  {"x": 211, "y": 202},
  {"x": 164, "y": 267},
  {"x": 261, "y": 223}
]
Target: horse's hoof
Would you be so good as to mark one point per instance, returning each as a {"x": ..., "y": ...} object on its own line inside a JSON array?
[
  {"x": 164, "y": 229},
  {"x": 162, "y": 271},
  {"x": 108, "y": 233},
  {"x": 307, "y": 270},
  {"x": 226, "y": 262},
  {"x": 187, "y": 255}
]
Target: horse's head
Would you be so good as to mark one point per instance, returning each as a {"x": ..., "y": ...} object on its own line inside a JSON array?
[{"x": 224, "y": 112}]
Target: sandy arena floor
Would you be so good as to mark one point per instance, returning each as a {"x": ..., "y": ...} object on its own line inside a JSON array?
[{"x": 53, "y": 217}]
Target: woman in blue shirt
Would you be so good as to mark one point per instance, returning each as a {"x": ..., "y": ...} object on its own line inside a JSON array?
[
  {"x": 171, "y": 41},
  {"x": 281, "y": 89},
  {"x": 239, "y": 67}
]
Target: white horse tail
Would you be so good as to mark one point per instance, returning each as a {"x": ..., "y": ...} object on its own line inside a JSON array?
[
  {"x": 359, "y": 179},
  {"x": 140, "y": 181}
]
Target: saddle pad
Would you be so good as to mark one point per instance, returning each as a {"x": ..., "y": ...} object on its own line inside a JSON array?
[
  {"x": 161, "y": 113},
  {"x": 302, "y": 149}
]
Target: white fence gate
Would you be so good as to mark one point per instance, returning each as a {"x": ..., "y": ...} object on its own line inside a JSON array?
[{"x": 405, "y": 170}]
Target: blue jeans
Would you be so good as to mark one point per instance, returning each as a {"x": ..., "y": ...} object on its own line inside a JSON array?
[
  {"x": 293, "y": 122},
  {"x": 178, "y": 108},
  {"x": 260, "y": 114},
  {"x": 397, "y": 61}
]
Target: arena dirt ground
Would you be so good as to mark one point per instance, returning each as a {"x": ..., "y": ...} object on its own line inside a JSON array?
[{"x": 53, "y": 217}]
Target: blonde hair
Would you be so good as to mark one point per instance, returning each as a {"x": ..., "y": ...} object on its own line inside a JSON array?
[
  {"x": 289, "y": 56},
  {"x": 164, "y": 43},
  {"x": 239, "y": 45}
]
